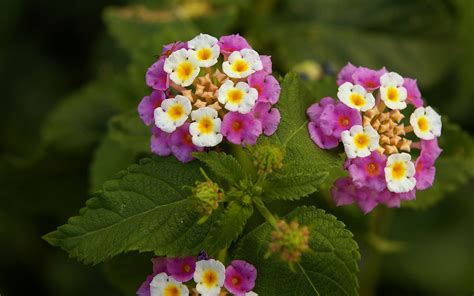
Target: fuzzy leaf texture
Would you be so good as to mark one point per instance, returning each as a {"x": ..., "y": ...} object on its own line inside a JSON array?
[
  {"x": 228, "y": 228},
  {"x": 144, "y": 209},
  {"x": 454, "y": 168},
  {"x": 329, "y": 268},
  {"x": 222, "y": 165},
  {"x": 305, "y": 165}
]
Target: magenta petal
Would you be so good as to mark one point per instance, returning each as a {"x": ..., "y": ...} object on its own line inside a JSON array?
[
  {"x": 241, "y": 128},
  {"x": 268, "y": 116},
  {"x": 172, "y": 47},
  {"x": 334, "y": 119},
  {"x": 156, "y": 77},
  {"x": 181, "y": 144},
  {"x": 144, "y": 289},
  {"x": 315, "y": 110},
  {"x": 413, "y": 92},
  {"x": 345, "y": 75},
  {"x": 240, "y": 277},
  {"x": 230, "y": 43},
  {"x": 369, "y": 171},
  {"x": 319, "y": 138},
  {"x": 266, "y": 85},
  {"x": 181, "y": 269},
  {"x": 368, "y": 78},
  {"x": 160, "y": 142},
  {"x": 343, "y": 191},
  {"x": 430, "y": 149},
  {"x": 159, "y": 265},
  {"x": 148, "y": 105},
  {"x": 267, "y": 63}
]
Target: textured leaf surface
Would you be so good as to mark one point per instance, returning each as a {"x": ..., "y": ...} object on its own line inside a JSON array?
[
  {"x": 454, "y": 168},
  {"x": 222, "y": 165},
  {"x": 145, "y": 209},
  {"x": 330, "y": 267},
  {"x": 293, "y": 186},
  {"x": 228, "y": 228}
]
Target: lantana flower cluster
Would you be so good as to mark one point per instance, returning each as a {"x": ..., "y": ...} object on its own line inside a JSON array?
[
  {"x": 174, "y": 276},
  {"x": 207, "y": 90},
  {"x": 389, "y": 154}
]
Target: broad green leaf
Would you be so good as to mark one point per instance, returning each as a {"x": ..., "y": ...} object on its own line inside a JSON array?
[
  {"x": 228, "y": 228},
  {"x": 329, "y": 268},
  {"x": 144, "y": 209},
  {"x": 222, "y": 165},
  {"x": 293, "y": 186},
  {"x": 454, "y": 168}
]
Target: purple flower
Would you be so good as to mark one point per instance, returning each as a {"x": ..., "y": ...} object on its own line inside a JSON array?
[
  {"x": 230, "y": 43},
  {"x": 368, "y": 78},
  {"x": 267, "y": 64},
  {"x": 266, "y": 85},
  {"x": 431, "y": 148},
  {"x": 156, "y": 77},
  {"x": 392, "y": 199},
  {"x": 240, "y": 277},
  {"x": 241, "y": 128},
  {"x": 148, "y": 105},
  {"x": 345, "y": 75},
  {"x": 319, "y": 138},
  {"x": 269, "y": 117},
  {"x": 425, "y": 171},
  {"x": 168, "y": 49},
  {"x": 315, "y": 110},
  {"x": 369, "y": 171},
  {"x": 413, "y": 92},
  {"x": 159, "y": 266},
  {"x": 182, "y": 145},
  {"x": 160, "y": 142},
  {"x": 181, "y": 269},
  {"x": 337, "y": 118},
  {"x": 343, "y": 191}
]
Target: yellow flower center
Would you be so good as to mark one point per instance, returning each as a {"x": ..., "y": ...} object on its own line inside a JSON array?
[
  {"x": 206, "y": 125},
  {"x": 184, "y": 70},
  {"x": 240, "y": 66},
  {"x": 423, "y": 124},
  {"x": 204, "y": 54},
  {"x": 172, "y": 290},
  {"x": 361, "y": 140},
  {"x": 392, "y": 94},
  {"x": 235, "y": 96},
  {"x": 357, "y": 100},
  {"x": 209, "y": 279},
  {"x": 398, "y": 170},
  {"x": 175, "y": 112}
]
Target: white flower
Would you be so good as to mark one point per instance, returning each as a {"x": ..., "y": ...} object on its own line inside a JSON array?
[
  {"x": 392, "y": 91},
  {"x": 251, "y": 293},
  {"x": 182, "y": 66},
  {"x": 173, "y": 113},
  {"x": 399, "y": 173},
  {"x": 205, "y": 128},
  {"x": 426, "y": 123},
  {"x": 209, "y": 277},
  {"x": 162, "y": 285},
  {"x": 355, "y": 96},
  {"x": 360, "y": 141},
  {"x": 239, "y": 98},
  {"x": 242, "y": 63},
  {"x": 205, "y": 49}
]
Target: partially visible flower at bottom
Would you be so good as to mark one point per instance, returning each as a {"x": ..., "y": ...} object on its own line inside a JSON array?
[
  {"x": 209, "y": 277},
  {"x": 181, "y": 144},
  {"x": 181, "y": 269},
  {"x": 159, "y": 266},
  {"x": 162, "y": 285},
  {"x": 160, "y": 142},
  {"x": 240, "y": 277}
]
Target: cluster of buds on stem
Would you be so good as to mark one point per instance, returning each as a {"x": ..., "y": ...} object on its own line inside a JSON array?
[
  {"x": 290, "y": 240},
  {"x": 267, "y": 157}
]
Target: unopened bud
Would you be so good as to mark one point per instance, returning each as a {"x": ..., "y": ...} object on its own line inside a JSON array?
[
  {"x": 207, "y": 196},
  {"x": 290, "y": 241},
  {"x": 268, "y": 157}
]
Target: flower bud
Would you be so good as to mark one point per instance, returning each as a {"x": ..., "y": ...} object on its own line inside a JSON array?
[
  {"x": 290, "y": 241},
  {"x": 268, "y": 157},
  {"x": 207, "y": 195}
]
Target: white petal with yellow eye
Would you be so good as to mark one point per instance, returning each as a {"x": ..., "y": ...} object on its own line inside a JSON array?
[
  {"x": 209, "y": 277},
  {"x": 205, "y": 49},
  {"x": 205, "y": 128},
  {"x": 243, "y": 63},
  {"x": 399, "y": 173},
  {"x": 182, "y": 66},
  {"x": 360, "y": 141},
  {"x": 392, "y": 92},
  {"x": 355, "y": 96},
  {"x": 162, "y": 285},
  {"x": 239, "y": 98},
  {"x": 172, "y": 113}
]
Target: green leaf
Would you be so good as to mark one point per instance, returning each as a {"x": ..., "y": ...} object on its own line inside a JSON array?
[
  {"x": 454, "y": 168},
  {"x": 222, "y": 165},
  {"x": 291, "y": 187},
  {"x": 329, "y": 268},
  {"x": 228, "y": 228},
  {"x": 145, "y": 209}
]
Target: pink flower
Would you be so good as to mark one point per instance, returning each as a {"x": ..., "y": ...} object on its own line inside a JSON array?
[
  {"x": 159, "y": 266},
  {"x": 337, "y": 118},
  {"x": 181, "y": 269},
  {"x": 148, "y": 105},
  {"x": 168, "y": 49},
  {"x": 240, "y": 277},
  {"x": 424, "y": 171},
  {"x": 368, "y": 78},
  {"x": 345, "y": 75},
  {"x": 369, "y": 171},
  {"x": 182, "y": 145},
  {"x": 269, "y": 117},
  {"x": 160, "y": 142},
  {"x": 431, "y": 148},
  {"x": 314, "y": 112},
  {"x": 267, "y": 64},
  {"x": 156, "y": 77},
  {"x": 413, "y": 93},
  {"x": 230, "y": 43},
  {"x": 343, "y": 191},
  {"x": 241, "y": 128},
  {"x": 266, "y": 85}
]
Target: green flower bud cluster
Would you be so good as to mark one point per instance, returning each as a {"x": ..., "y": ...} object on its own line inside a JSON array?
[
  {"x": 268, "y": 157},
  {"x": 207, "y": 196},
  {"x": 290, "y": 241}
]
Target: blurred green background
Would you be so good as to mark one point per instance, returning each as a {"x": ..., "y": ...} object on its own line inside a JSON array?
[{"x": 72, "y": 74}]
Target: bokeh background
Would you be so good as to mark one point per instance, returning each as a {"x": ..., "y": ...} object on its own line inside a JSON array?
[{"x": 72, "y": 73}]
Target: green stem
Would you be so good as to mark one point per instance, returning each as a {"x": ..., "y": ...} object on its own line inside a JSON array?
[{"x": 264, "y": 211}]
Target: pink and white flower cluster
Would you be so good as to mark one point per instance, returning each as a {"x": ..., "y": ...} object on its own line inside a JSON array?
[
  {"x": 387, "y": 158},
  {"x": 173, "y": 276},
  {"x": 207, "y": 90}
]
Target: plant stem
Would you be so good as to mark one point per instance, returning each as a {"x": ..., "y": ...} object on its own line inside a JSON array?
[{"x": 264, "y": 211}]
